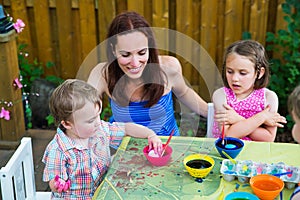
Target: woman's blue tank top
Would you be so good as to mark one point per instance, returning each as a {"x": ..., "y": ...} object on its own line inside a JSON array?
[{"x": 160, "y": 117}]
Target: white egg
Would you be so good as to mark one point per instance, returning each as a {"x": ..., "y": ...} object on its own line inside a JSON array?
[{"x": 153, "y": 154}]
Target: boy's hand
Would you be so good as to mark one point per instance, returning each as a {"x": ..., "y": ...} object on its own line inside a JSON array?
[
  {"x": 155, "y": 143},
  {"x": 59, "y": 185}
]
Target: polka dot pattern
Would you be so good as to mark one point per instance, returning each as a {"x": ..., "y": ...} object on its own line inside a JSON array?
[{"x": 247, "y": 107}]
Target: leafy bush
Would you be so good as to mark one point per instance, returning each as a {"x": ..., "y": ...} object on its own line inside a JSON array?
[
  {"x": 29, "y": 73},
  {"x": 285, "y": 71}
]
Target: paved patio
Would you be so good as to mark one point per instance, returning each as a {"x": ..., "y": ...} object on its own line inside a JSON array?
[{"x": 40, "y": 139}]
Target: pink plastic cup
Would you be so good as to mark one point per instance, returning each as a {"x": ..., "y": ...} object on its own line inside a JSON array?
[{"x": 158, "y": 161}]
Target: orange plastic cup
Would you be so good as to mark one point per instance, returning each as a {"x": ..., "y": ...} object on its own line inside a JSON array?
[{"x": 266, "y": 187}]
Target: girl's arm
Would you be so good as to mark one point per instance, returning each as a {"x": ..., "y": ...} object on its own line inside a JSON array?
[
  {"x": 251, "y": 127},
  {"x": 264, "y": 134},
  {"x": 267, "y": 132},
  {"x": 172, "y": 67},
  {"x": 139, "y": 131},
  {"x": 225, "y": 114},
  {"x": 274, "y": 119}
]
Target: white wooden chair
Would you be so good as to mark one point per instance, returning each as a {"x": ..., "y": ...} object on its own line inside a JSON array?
[
  {"x": 210, "y": 120},
  {"x": 17, "y": 177}
]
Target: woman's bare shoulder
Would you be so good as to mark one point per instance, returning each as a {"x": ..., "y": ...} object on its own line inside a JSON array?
[
  {"x": 98, "y": 68},
  {"x": 97, "y": 78},
  {"x": 96, "y": 71},
  {"x": 169, "y": 63},
  {"x": 167, "y": 60}
]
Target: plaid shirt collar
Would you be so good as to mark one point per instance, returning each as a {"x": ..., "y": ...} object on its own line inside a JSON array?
[{"x": 66, "y": 143}]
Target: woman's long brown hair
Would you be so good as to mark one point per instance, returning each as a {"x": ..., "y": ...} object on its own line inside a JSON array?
[{"x": 152, "y": 76}]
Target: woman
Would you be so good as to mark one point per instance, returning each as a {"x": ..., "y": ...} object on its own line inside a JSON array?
[{"x": 138, "y": 81}]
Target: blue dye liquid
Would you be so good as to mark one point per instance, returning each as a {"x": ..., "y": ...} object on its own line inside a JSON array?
[{"x": 229, "y": 146}]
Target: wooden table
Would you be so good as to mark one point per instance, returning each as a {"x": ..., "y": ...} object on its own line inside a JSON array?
[{"x": 131, "y": 176}]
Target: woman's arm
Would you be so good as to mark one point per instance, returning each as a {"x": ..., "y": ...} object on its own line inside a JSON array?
[{"x": 172, "y": 67}]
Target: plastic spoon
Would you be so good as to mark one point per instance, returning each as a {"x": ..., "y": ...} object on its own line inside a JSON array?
[
  {"x": 223, "y": 134},
  {"x": 282, "y": 174},
  {"x": 227, "y": 146},
  {"x": 229, "y": 157},
  {"x": 168, "y": 141}
]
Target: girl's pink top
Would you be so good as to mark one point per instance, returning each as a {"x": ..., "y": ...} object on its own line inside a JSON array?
[{"x": 247, "y": 107}]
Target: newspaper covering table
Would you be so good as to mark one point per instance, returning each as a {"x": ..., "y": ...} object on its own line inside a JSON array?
[{"x": 131, "y": 176}]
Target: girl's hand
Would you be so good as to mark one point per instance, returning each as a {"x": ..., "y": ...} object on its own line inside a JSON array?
[
  {"x": 229, "y": 116},
  {"x": 155, "y": 143},
  {"x": 273, "y": 119},
  {"x": 59, "y": 185}
]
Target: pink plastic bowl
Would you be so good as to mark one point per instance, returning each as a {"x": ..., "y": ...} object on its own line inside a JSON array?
[{"x": 158, "y": 161}]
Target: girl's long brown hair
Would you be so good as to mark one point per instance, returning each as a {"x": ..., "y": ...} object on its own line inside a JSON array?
[{"x": 256, "y": 54}]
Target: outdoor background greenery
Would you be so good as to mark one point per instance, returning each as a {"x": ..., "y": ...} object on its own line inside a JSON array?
[
  {"x": 285, "y": 68},
  {"x": 283, "y": 50},
  {"x": 29, "y": 72}
]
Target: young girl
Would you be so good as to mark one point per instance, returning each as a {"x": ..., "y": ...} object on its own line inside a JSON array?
[
  {"x": 294, "y": 109},
  {"x": 245, "y": 107},
  {"x": 78, "y": 157}
]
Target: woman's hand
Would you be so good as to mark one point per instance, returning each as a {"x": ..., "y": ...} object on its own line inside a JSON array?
[
  {"x": 228, "y": 116},
  {"x": 155, "y": 143}
]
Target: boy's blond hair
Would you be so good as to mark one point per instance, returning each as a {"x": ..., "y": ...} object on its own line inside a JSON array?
[{"x": 70, "y": 96}]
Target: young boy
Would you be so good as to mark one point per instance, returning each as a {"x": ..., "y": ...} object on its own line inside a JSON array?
[
  {"x": 294, "y": 109},
  {"x": 78, "y": 156}
]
